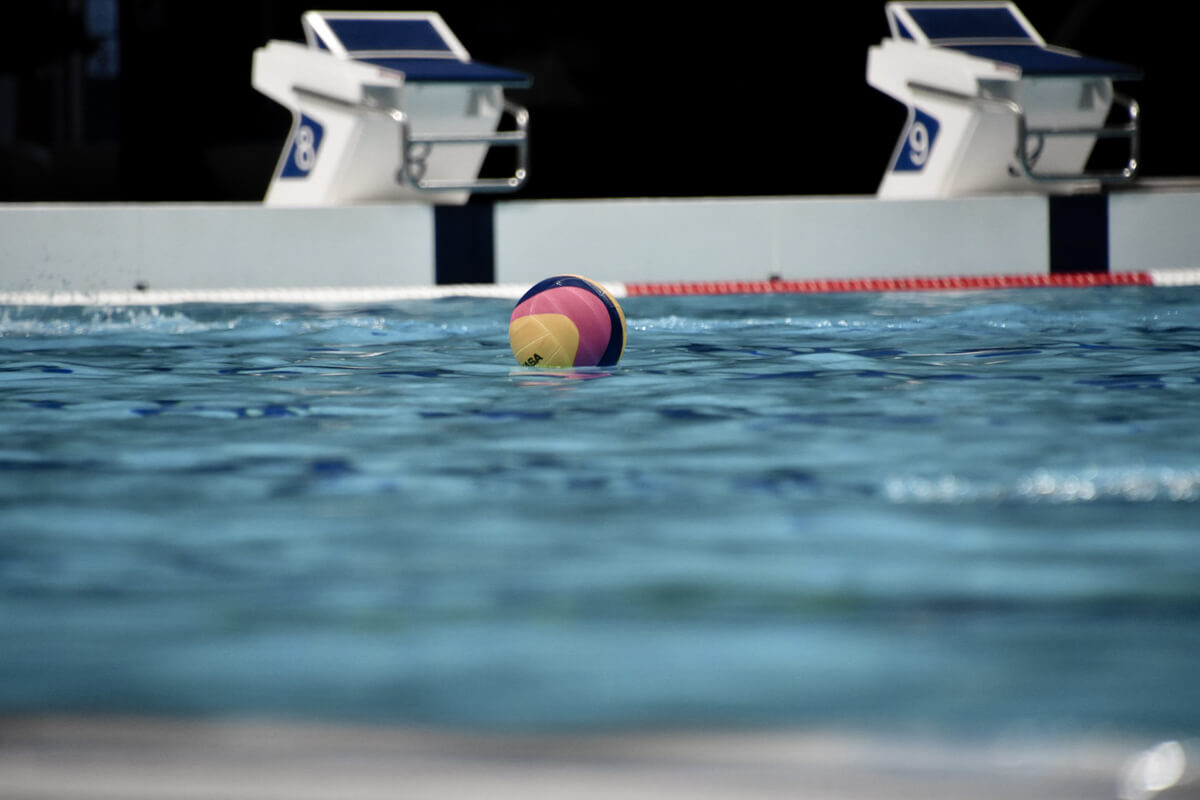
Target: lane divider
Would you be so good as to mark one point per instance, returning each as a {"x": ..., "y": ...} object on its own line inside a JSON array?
[
  {"x": 359, "y": 295},
  {"x": 919, "y": 284}
]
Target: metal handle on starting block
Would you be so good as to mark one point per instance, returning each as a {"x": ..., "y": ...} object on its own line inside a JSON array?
[
  {"x": 412, "y": 168},
  {"x": 414, "y": 149},
  {"x": 1129, "y": 130}
]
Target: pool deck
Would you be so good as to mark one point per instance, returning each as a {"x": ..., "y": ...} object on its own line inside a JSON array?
[{"x": 111, "y": 758}]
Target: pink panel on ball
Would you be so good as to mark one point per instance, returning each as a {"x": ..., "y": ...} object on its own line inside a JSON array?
[{"x": 582, "y": 307}]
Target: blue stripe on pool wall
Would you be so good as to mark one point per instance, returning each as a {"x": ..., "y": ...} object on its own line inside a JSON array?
[
  {"x": 464, "y": 243},
  {"x": 1079, "y": 233}
]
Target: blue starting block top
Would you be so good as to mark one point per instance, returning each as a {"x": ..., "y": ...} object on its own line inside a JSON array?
[
  {"x": 997, "y": 32},
  {"x": 417, "y": 44}
]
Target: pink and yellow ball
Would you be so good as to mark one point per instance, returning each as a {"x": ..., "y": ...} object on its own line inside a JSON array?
[{"x": 567, "y": 321}]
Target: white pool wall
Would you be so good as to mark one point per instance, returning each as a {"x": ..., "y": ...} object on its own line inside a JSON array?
[{"x": 47, "y": 248}]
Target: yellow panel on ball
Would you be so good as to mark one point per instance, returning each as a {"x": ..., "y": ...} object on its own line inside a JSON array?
[{"x": 544, "y": 340}]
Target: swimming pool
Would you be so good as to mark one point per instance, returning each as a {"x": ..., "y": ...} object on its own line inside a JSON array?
[{"x": 949, "y": 511}]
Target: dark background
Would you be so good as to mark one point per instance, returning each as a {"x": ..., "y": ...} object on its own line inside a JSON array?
[{"x": 120, "y": 100}]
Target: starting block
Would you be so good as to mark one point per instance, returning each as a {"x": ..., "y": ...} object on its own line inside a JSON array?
[
  {"x": 387, "y": 106},
  {"x": 991, "y": 106}
]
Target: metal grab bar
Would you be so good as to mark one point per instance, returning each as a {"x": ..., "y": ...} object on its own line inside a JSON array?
[
  {"x": 1129, "y": 130},
  {"x": 415, "y": 149},
  {"x": 413, "y": 169}
]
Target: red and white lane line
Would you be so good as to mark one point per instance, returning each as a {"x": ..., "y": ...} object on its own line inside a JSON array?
[
  {"x": 1076, "y": 280},
  {"x": 916, "y": 284},
  {"x": 1175, "y": 277},
  {"x": 383, "y": 294}
]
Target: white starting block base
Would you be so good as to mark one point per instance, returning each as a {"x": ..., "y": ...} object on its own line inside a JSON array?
[
  {"x": 386, "y": 106},
  {"x": 991, "y": 106}
]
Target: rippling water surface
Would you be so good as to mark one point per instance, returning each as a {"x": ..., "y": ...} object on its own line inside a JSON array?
[{"x": 958, "y": 511}]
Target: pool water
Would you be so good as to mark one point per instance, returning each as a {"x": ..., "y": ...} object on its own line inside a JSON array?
[{"x": 955, "y": 512}]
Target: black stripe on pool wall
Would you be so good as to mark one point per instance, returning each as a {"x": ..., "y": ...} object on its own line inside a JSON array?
[
  {"x": 1078, "y": 233},
  {"x": 464, "y": 244}
]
